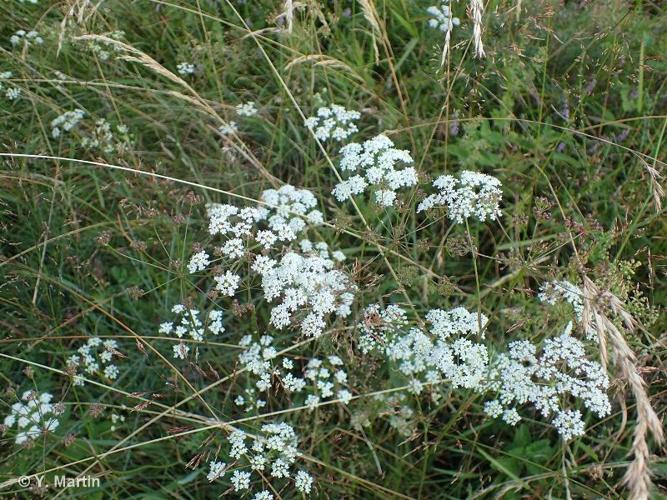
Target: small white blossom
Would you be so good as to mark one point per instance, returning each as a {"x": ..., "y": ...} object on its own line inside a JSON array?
[
  {"x": 240, "y": 480},
  {"x": 233, "y": 248},
  {"x": 111, "y": 372},
  {"x": 94, "y": 357},
  {"x": 246, "y": 109},
  {"x": 456, "y": 321},
  {"x": 442, "y": 18},
  {"x": 511, "y": 416},
  {"x": 228, "y": 128},
  {"x": 303, "y": 482},
  {"x": 555, "y": 291},
  {"x": 569, "y": 424},
  {"x": 198, "y": 262},
  {"x": 185, "y": 68},
  {"x": 378, "y": 160},
  {"x": 217, "y": 470},
  {"x": 334, "y": 122},
  {"x": 32, "y": 416},
  {"x": 27, "y": 38},
  {"x": 66, "y": 122},
  {"x": 181, "y": 351},
  {"x": 345, "y": 396},
  {"x": 104, "y": 139},
  {"x": 193, "y": 324},
  {"x": 13, "y": 93},
  {"x": 227, "y": 283},
  {"x": 471, "y": 195}
]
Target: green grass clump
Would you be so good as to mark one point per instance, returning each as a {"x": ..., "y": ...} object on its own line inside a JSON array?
[{"x": 567, "y": 109}]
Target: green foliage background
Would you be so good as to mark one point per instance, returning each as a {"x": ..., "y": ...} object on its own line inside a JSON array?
[{"x": 568, "y": 109}]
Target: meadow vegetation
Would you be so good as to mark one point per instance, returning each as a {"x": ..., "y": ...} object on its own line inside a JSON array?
[{"x": 333, "y": 249}]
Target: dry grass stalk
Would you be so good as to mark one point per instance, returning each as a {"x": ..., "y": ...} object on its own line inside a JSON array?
[
  {"x": 139, "y": 57},
  {"x": 322, "y": 60},
  {"x": 288, "y": 14},
  {"x": 476, "y": 12},
  {"x": 135, "y": 55},
  {"x": 638, "y": 475},
  {"x": 656, "y": 187},
  {"x": 445, "y": 48},
  {"x": 371, "y": 15}
]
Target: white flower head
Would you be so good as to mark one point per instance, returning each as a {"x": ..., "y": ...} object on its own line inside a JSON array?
[
  {"x": 95, "y": 357},
  {"x": 66, "y": 122},
  {"x": 216, "y": 471},
  {"x": 185, "y": 68},
  {"x": 227, "y": 283},
  {"x": 470, "y": 195},
  {"x": 198, "y": 262},
  {"x": 375, "y": 164},
  {"x": 246, "y": 109},
  {"x": 334, "y": 122},
  {"x": 442, "y": 18},
  {"x": 32, "y": 416}
]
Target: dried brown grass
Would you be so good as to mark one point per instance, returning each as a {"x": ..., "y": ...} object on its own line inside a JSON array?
[{"x": 596, "y": 305}]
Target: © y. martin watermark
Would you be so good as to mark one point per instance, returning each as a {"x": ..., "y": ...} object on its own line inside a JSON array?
[{"x": 59, "y": 481}]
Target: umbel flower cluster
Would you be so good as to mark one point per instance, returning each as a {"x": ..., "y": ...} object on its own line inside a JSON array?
[
  {"x": 94, "y": 357},
  {"x": 554, "y": 292},
  {"x": 270, "y": 454},
  {"x": 472, "y": 194},
  {"x": 551, "y": 381},
  {"x": 442, "y": 18},
  {"x": 333, "y": 122},
  {"x": 553, "y": 378},
  {"x": 26, "y": 37},
  {"x": 307, "y": 280},
  {"x": 188, "y": 323},
  {"x": 375, "y": 164},
  {"x": 320, "y": 379},
  {"x": 32, "y": 416},
  {"x": 108, "y": 139},
  {"x": 66, "y": 122},
  {"x": 300, "y": 278},
  {"x": 11, "y": 93},
  {"x": 243, "y": 110},
  {"x": 185, "y": 68},
  {"x": 429, "y": 357}
]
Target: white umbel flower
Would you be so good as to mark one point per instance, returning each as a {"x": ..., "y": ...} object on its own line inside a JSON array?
[
  {"x": 442, "y": 18},
  {"x": 472, "y": 194},
  {"x": 94, "y": 357},
  {"x": 198, "y": 262},
  {"x": 227, "y": 283},
  {"x": 185, "y": 68},
  {"x": 303, "y": 482},
  {"x": 556, "y": 291},
  {"x": 66, "y": 122},
  {"x": 181, "y": 351},
  {"x": 32, "y": 416},
  {"x": 375, "y": 163},
  {"x": 334, "y": 122},
  {"x": 217, "y": 470},
  {"x": 27, "y": 38},
  {"x": 569, "y": 424},
  {"x": 228, "y": 128},
  {"x": 246, "y": 109},
  {"x": 240, "y": 480},
  {"x": 550, "y": 380}
]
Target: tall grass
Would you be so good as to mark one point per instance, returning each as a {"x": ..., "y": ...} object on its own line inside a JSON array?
[{"x": 566, "y": 108}]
